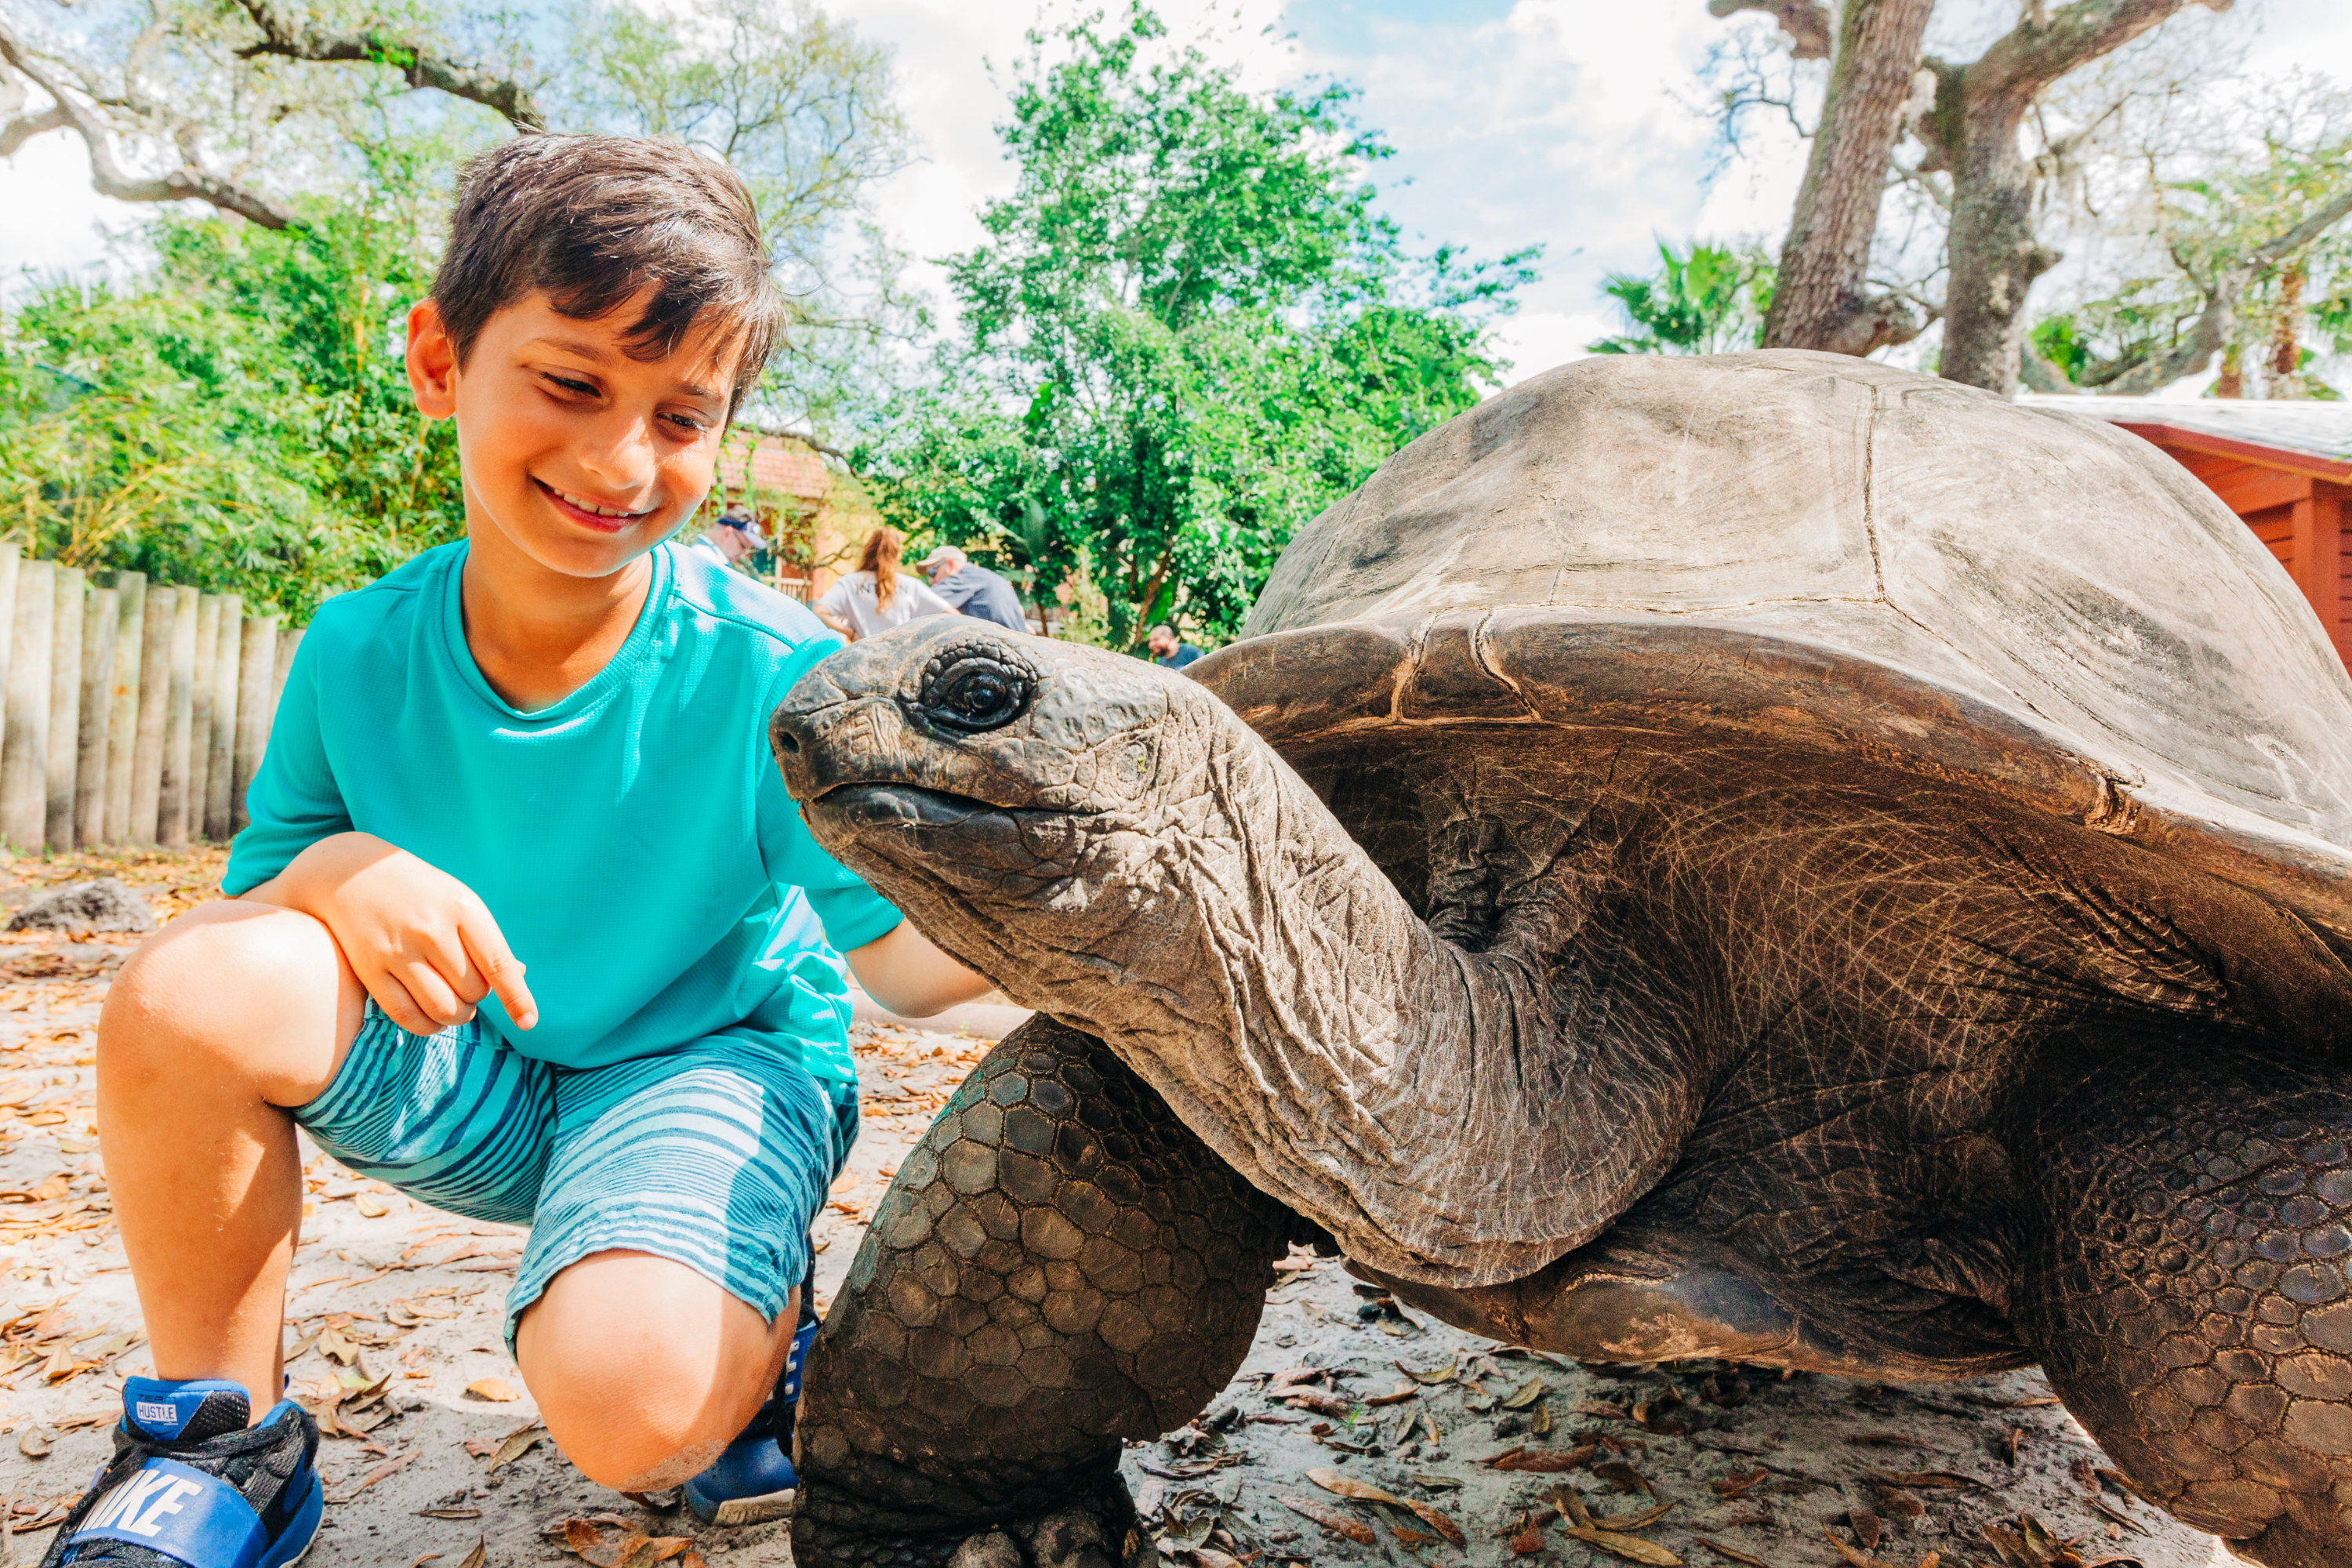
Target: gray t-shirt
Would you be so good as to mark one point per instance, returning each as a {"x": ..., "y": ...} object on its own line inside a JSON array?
[{"x": 977, "y": 591}]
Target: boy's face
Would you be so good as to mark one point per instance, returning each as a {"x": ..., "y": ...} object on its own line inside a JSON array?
[{"x": 575, "y": 455}]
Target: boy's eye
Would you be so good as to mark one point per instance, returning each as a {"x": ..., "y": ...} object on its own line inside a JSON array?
[
  {"x": 580, "y": 388},
  {"x": 689, "y": 424}
]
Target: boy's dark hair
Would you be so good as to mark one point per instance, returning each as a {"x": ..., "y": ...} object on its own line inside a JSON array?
[{"x": 595, "y": 221}]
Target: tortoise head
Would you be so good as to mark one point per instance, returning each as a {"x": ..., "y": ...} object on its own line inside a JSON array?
[{"x": 1037, "y": 807}]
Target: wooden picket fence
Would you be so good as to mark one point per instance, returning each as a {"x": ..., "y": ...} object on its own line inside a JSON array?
[{"x": 133, "y": 714}]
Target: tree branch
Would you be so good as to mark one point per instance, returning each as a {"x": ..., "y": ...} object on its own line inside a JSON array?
[
  {"x": 2047, "y": 45},
  {"x": 786, "y": 433},
  {"x": 16, "y": 133},
  {"x": 1807, "y": 22},
  {"x": 189, "y": 182},
  {"x": 2219, "y": 321},
  {"x": 302, "y": 39}
]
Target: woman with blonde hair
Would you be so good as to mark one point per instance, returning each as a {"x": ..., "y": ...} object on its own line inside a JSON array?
[{"x": 877, "y": 596}]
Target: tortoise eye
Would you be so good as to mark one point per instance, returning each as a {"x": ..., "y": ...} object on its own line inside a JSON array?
[{"x": 976, "y": 693}]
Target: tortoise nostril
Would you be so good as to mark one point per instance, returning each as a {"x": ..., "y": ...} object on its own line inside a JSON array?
[{"x": 788, "y": 741}]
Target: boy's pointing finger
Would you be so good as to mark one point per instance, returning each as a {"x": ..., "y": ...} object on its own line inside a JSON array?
[{"x": 500, "y": 967}]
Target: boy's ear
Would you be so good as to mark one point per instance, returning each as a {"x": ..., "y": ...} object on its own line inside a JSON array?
[{"x": 432, "y": 361}]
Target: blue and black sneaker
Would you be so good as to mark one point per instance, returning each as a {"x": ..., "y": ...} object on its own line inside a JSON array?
[
  {"x": 753, "y": 1479},
  {"x": 192, "y": 1486}
]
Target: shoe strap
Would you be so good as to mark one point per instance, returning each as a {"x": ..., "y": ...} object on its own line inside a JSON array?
[
  {"x": 180, "y": 1511},
  {"x": 788, "y": 1386}
]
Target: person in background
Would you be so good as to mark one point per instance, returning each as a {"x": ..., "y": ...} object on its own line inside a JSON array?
[
  {"x": 877, "y": 596},
  {"x": 732, "y": 539},
  {"x": 974, "y": 591},
  {"x": 1168, "y": 651}
]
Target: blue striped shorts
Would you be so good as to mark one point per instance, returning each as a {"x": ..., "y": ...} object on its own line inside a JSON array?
[{"x": 717, "y": 1154}]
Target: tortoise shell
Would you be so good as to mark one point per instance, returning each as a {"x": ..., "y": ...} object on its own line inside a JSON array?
[{"x": 1829, "y": 554}]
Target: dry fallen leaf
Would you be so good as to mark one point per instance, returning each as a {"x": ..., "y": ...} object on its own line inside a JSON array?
[
  {"x": 1442, "y": 1374},
  {"x": 1363, "y": 1491},
  {"x": 477, "y": 1556},
  {"x": 1730, "y": 1553},
  {"x": 517, "y": 1444},
  {"x": 1543, "y": 1461},
  {"x": 33, "y": 1444},
  {"x": 1925, "y": 1480},
  {"x": 378, "y": 1473},
  {"x": 1732, "y": 1486},
  {"x": 1623, "y": 1477},
  {"x": 1396, "y": 1395},
  {"x": 1331, "y": 1520},
  {"x": 1625, "y": 1523},
  {"x": 373, "y": 1207},
  {"x": 1632, "y": 1548},
  {"x": 1319, "y": 1401},
  {"x": 1528, "y": 1540},
  {"x": 1527, "y": 1394},
  {"x": 493, "y": 1389}
]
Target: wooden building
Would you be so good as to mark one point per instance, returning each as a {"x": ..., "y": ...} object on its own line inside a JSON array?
[
  {"x": 2285, "y": 467},
  {"x": 817, "y": 516}
]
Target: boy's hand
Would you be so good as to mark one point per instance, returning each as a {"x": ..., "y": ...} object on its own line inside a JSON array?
[{"x": 421, "y": 941}]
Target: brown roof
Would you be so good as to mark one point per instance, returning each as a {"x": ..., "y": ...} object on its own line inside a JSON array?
[{"x": 777, "y": 465}]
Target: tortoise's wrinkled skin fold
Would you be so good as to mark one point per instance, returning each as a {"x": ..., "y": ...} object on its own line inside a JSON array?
[
  {"x": 1766, "y": 856},
  {"x": 1059, "y": 1265}
]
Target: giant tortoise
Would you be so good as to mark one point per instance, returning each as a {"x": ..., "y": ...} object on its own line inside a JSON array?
[{"x": 1766, "y": 856}]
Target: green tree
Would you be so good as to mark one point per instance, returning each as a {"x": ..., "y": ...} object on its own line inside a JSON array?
[
  {"x": 1705, "y": 300},
  {"x": 237, "y": 417},
  {"x": 2250, "y": 259},
  {"x": 1188, "y": 331}
]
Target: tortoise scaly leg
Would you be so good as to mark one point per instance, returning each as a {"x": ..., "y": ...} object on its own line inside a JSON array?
[
  {"x": 2189, "y": 1294},
  {"x": 1058, "y": 1266}
]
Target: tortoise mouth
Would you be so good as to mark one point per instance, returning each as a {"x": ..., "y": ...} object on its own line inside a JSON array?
[{"x": 888, "y": 803}]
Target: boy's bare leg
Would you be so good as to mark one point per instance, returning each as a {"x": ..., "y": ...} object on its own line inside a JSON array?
[
  {"x": 232, "y": 1013},
  {"x": 237, "y": 1010},
  {"x": 645, "y": 1369}
]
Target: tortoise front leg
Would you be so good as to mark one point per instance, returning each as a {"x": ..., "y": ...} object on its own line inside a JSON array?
[
  {"x": 1060, "y": 1264},
  {"x": 2186, "y": 1280}
]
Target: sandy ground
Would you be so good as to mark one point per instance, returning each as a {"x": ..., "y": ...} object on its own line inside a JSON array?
[{"x": 394, "y": 1324}]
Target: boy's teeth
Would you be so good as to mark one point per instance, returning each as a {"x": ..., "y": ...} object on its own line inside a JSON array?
[{"x": 591, "y": 506}]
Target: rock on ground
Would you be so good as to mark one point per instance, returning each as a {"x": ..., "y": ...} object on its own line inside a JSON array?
[
  {"x": 394, "y": 1328},
  {"x": 102, "y": 905}
]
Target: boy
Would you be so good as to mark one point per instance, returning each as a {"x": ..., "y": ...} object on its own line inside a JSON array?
[{"x": 542, "y": 744}]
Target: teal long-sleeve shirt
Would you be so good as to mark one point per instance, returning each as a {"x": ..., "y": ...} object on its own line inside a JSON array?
[{"x": 633, "y": 841}]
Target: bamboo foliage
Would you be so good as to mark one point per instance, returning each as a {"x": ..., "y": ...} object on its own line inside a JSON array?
[{"x": 130, "y": 713}]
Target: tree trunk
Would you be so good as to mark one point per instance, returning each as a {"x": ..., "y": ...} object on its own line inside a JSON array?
[
  {"x": 1992, "y": 252},
  {"x": 1818, "y": 299}
]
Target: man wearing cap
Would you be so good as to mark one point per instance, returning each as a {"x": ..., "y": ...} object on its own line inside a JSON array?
[{"x": 974, "y": 591}]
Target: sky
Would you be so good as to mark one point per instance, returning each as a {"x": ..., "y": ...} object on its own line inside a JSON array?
[{"x": 1564, "y": 122}]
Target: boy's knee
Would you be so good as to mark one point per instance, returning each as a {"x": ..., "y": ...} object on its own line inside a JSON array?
[
  {"x": 653, "y": 1425},
  {"x": 203, "y": 981},
  {"x": 642, "y": 1369}
]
